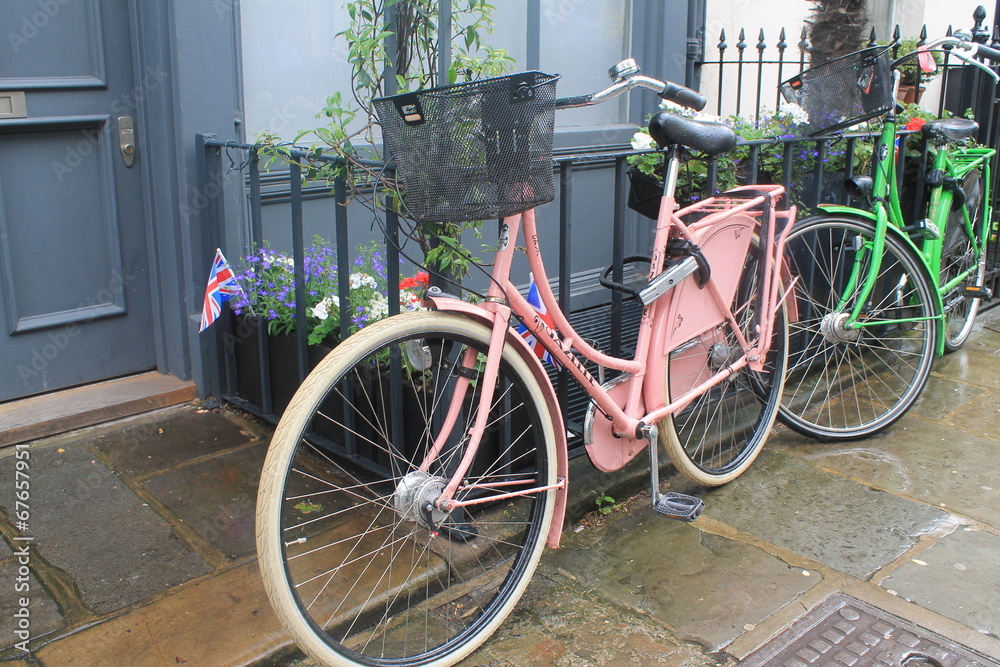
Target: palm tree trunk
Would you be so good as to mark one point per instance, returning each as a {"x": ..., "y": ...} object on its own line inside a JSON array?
[{"x": 838, "y": 28}]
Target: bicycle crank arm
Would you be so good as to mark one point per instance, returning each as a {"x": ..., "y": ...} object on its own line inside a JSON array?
[{"x": 671, "y": 504}]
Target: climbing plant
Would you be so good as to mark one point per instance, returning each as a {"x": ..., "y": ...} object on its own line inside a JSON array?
[{"x": 393, "y": 46}]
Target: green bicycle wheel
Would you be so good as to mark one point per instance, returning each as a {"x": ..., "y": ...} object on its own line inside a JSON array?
[
  {"x": 849, "y": 383},
  {"x": 960, "y": 255}
]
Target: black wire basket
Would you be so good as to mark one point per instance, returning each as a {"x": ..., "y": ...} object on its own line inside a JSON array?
[
  {"x": 473, "y": 151},
  {"x": 843, "y": 92}
]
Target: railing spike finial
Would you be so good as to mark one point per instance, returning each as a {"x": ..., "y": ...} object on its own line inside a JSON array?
[
  {"x": 871, "y": 37},
  {"x": 760, "y": 42},
  {"x": 804, "y": 39},
  {"x": 923, "y": 35},
  {"x": 782, "y": 44},
  {"x": 996, "y": 36},
  {"x": 722, "y": 40},
  {"x": 980, "y": 33},
  {"x": 742, "y": 43},
  {"x": 896, "y": 33},
  {"x": 951, "y": 31}
]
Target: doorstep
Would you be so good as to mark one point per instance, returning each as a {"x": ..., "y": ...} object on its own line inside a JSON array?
[{"x": 62, "y": 411}]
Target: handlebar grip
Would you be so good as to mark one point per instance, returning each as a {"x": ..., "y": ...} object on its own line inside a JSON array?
[
  {"x": 683, "y": 96},
  {"x": 989, "y": 53}
]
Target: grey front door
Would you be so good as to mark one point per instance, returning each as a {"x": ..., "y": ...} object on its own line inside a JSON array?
[{"x": 74, "y": 278}]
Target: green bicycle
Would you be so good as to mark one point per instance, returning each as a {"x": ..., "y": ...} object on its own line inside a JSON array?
[{"x": 878, "y": 299}]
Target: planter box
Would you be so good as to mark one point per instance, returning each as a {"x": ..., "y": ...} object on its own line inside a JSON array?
[
  {"x": 282, "y": 363},
  {"x": 645, "y": 193}
]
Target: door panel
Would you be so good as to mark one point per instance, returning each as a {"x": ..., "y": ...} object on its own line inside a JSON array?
[
  {"x": 37, "y": 29},
  {"x": 74, "y": 280}
]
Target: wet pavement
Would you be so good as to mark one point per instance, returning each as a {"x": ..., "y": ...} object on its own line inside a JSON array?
[{"x": 142, "y": 549}]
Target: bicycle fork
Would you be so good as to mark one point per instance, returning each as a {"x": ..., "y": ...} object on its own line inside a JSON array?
[{"x": 450, "y": 439}]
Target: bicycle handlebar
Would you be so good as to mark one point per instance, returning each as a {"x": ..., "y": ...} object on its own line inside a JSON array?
[
  {"x": 988, "y": 53},
  {"x": 962, "y": 46},
  {"x": 626, "y": 76}
]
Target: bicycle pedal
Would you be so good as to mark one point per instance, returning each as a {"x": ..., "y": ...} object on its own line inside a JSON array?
[
  {"x": 679, "y": 506},
  {"x": 978, "y": 292}
]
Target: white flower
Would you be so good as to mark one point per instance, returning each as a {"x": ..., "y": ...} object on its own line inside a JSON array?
[
  {"x": 409, "y": 301},
  {"x": 796, "y": 113},
  {"x": 359, "y": 279},
  {"x": 379, "y": 306},
  {"x": 322, "y": 309},
  {"x": 642, "y": 141}
]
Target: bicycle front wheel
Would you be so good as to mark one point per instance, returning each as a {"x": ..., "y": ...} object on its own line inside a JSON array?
[
  {"x": 961, "y": 255},
  {"x": 849, "y": 383},
  {"x": 357, "y": 561},
  {"x": 716, "y": 437}
]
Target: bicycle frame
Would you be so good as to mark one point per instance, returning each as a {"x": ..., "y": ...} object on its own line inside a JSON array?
[
  {"x": 888, "y": 218},
  {"x": 742, "y": 212}
]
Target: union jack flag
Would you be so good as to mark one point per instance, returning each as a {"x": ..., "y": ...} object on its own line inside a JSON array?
[
  {"x": 222, "y": 287},
  {"x": 536, "y": 302}
]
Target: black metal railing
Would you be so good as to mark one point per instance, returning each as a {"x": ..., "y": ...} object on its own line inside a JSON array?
[{"x": 245, "y": 371}]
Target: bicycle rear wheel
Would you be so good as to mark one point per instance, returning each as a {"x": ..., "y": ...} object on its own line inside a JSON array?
[
  {"x": 960, "y": 255},
  {"x": 845, "y": 384},
  {"x": 716, "y": 437},
  {"x": 358, "y": 565}
]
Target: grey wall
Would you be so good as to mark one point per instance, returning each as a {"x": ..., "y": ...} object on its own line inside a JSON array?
[{"x": 197, "y": 45}]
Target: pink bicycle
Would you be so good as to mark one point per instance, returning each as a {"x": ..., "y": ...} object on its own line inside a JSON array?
[{"x": 420, "y": 470}]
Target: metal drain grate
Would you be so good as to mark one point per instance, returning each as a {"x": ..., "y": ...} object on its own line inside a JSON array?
[{"x": 844, "y": 632}]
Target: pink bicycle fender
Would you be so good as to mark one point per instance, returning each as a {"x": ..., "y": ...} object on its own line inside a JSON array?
[{"x": 446, "y": 304}]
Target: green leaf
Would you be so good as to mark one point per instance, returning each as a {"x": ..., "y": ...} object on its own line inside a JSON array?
[{"x": 307, "y": 507}]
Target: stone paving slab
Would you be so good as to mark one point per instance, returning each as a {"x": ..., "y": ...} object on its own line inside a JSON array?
[
  {"x": 5, "y": 550},
  {"x": 559, "y": 622},
  {"x": 979, "y": 417},
  {"x": 976, "y": 363},
  {"x": 843, "y": 524},
  {"x": 86, "y": 522},
  {"x": 216, "y": 497},
  {"x": 43, "y": 614},
  {"x": 157, "y": 442},
  {"x": 224, "y": 621},
  {"x": 938, "y": 465},
  {"x": 958, "y": 578},
  {"x": 941, "y": 396},
  {"x": 706, "y": 588}
]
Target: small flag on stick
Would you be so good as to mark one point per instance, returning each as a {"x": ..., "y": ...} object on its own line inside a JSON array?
[
  {"x": 222, "y": 287},
  {"x": 535, "y": 300}
]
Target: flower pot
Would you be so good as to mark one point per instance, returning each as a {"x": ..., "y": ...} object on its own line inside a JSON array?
[{"x": 909, "y": 94}]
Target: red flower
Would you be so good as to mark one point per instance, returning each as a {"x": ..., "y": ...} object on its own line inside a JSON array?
[
  {"x": 421, "y": 279},
  {"x": 915, "y": 123}
]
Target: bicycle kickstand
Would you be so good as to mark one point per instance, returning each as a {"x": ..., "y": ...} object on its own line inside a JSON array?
[{"x": 671, "y": 504}]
